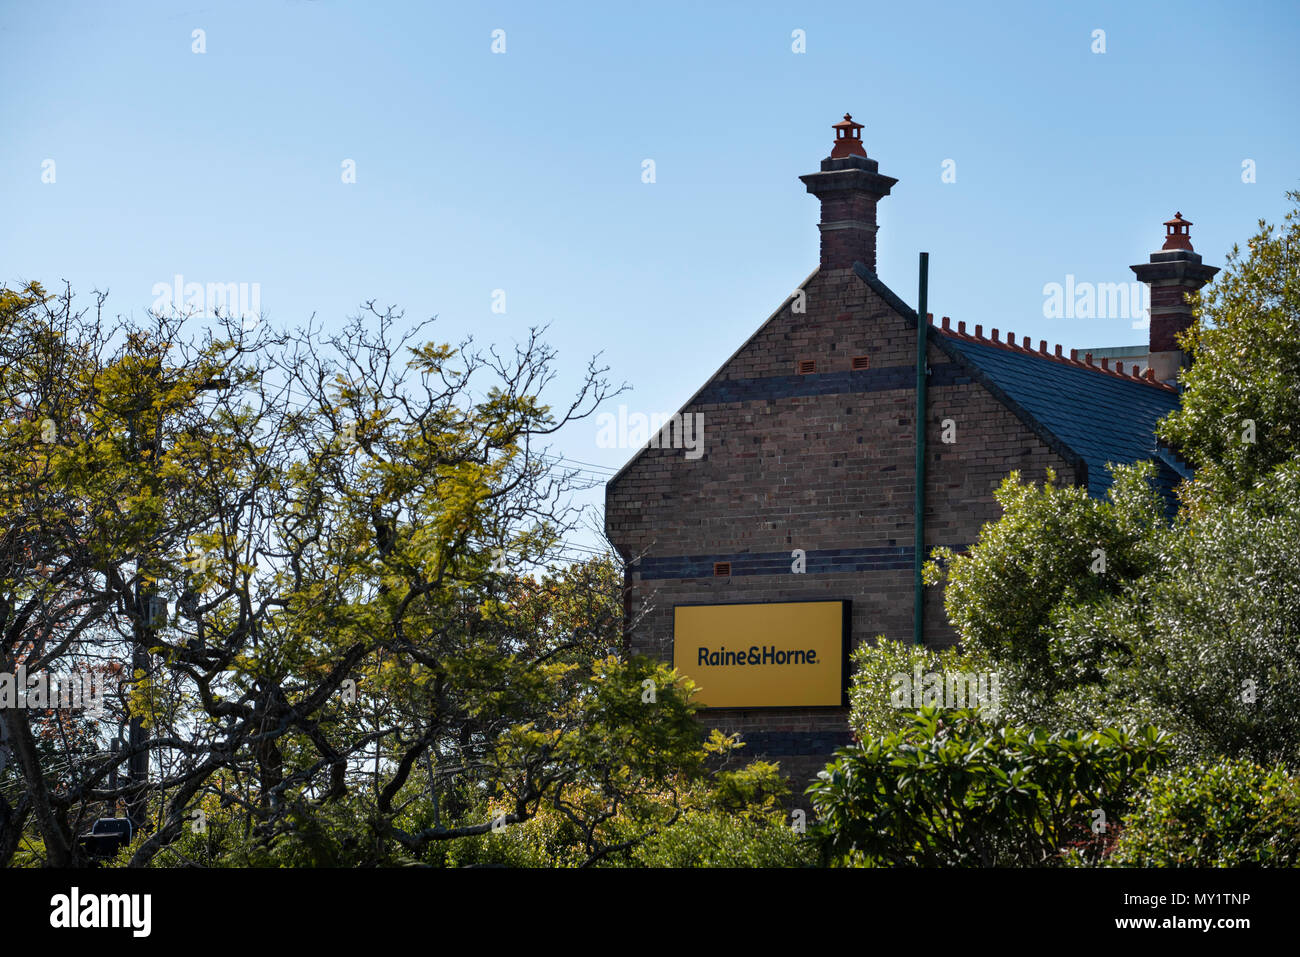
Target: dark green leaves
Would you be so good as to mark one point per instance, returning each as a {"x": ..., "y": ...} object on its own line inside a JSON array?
[{"x": 952, "y": 790}]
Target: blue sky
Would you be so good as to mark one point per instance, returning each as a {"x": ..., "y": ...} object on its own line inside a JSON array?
[{"x": 522, "y": 171}]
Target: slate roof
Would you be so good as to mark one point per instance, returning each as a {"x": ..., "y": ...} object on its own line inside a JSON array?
[
  {"x": 1091, "y": 415},
  {"x": 1104, "y": 418}
]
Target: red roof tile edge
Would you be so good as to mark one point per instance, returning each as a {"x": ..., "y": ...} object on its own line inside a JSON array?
[{"x": 1147, "y": 378}]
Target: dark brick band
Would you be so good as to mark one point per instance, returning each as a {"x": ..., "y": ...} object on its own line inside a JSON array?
[
  {"x": 821, "y": 562},
  {"x": 722, "y": 391},
  {"x": 776, "y": 744}
]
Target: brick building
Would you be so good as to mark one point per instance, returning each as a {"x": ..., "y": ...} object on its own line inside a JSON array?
[{"x": 811, "y": 445}]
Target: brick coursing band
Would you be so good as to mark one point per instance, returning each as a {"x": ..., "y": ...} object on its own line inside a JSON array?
[
  {"x": 819, "y": 562},
  {"x": 894, "y": 378}
]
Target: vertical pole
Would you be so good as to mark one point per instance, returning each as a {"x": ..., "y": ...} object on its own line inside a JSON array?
[{"x": 922, "y": 331}]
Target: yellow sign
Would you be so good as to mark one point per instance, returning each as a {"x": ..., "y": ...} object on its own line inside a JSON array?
[{"x": 763, "y": 655}]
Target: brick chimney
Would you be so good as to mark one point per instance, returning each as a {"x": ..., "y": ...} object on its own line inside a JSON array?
[
  {"x": 1172, "y": 272},
  {"x": 849, "y": 186}
]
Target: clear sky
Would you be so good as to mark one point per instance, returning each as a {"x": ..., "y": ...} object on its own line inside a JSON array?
[{"x": 522, "y": 171}]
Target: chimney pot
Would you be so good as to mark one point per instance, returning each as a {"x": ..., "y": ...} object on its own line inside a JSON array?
[
  {"x": 1178, "y": 233},
  {"x": 848, "y": 139}
]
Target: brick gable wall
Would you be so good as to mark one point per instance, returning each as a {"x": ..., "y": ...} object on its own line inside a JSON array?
[{"x": 822, "y": 462}]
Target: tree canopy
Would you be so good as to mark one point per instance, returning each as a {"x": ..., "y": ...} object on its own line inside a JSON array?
[{"x": 362, "y": 655}]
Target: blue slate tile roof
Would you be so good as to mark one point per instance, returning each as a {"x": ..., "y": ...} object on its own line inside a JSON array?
[
  {"x": 1090, "y": 416},
  {"x": 1103, "y": 418}
]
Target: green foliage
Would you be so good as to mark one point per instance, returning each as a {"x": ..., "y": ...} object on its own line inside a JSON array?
[
  {"x": 958, "y": 791},
  {"x": 727, "y": 819},
  {"x": 374, "y": 655},
  {"x": 1246, "y": 367},
  {"x": 1216, "y": 633},
  {"x": 873, "y": 709},
  {"x": 1199, "y": 634},
  {"x": 696, "y": 839},
  {"x": 218, "y": 833},
  {"x": 547, "y": 839},
  {"x": 717, "y": 839},
  {"x": 753, "y": 792},
  {"x": 1054, "y": 551},
  {"x": 108, "y": 452},
  {"x": 1228, "y": 814},
  {"x": 628, "y": 786}
]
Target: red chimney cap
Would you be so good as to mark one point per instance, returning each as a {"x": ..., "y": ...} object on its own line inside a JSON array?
[
  {"x": 1177, "y": 234},
  {"x": 848, "y": 138}
]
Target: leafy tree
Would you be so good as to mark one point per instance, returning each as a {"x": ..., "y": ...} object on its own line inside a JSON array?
[
  {"x": 1240, "y": 411},
  {"x": 362, "y": 652},
  {"x": 1055, "y": 552},
  {"x": 1201, "y": 637},
  {"x": 86, "y": 490},
  {"x": 1215, "y": 632}
]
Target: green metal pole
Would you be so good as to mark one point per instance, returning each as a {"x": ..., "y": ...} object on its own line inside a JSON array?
[{"x": 922, "y": 323}]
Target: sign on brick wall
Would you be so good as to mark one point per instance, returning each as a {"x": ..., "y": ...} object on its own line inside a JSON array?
[{"x": 764, "y": 654}]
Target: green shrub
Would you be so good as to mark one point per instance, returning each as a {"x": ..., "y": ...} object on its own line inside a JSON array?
[
  {"x": 954, "y": 790},
  {"x": 546, "y": 840},
  {"x": 714, "y": 839},
  {"x": 873, "y": 704},
  {"x": 1230, "y": 814}
]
